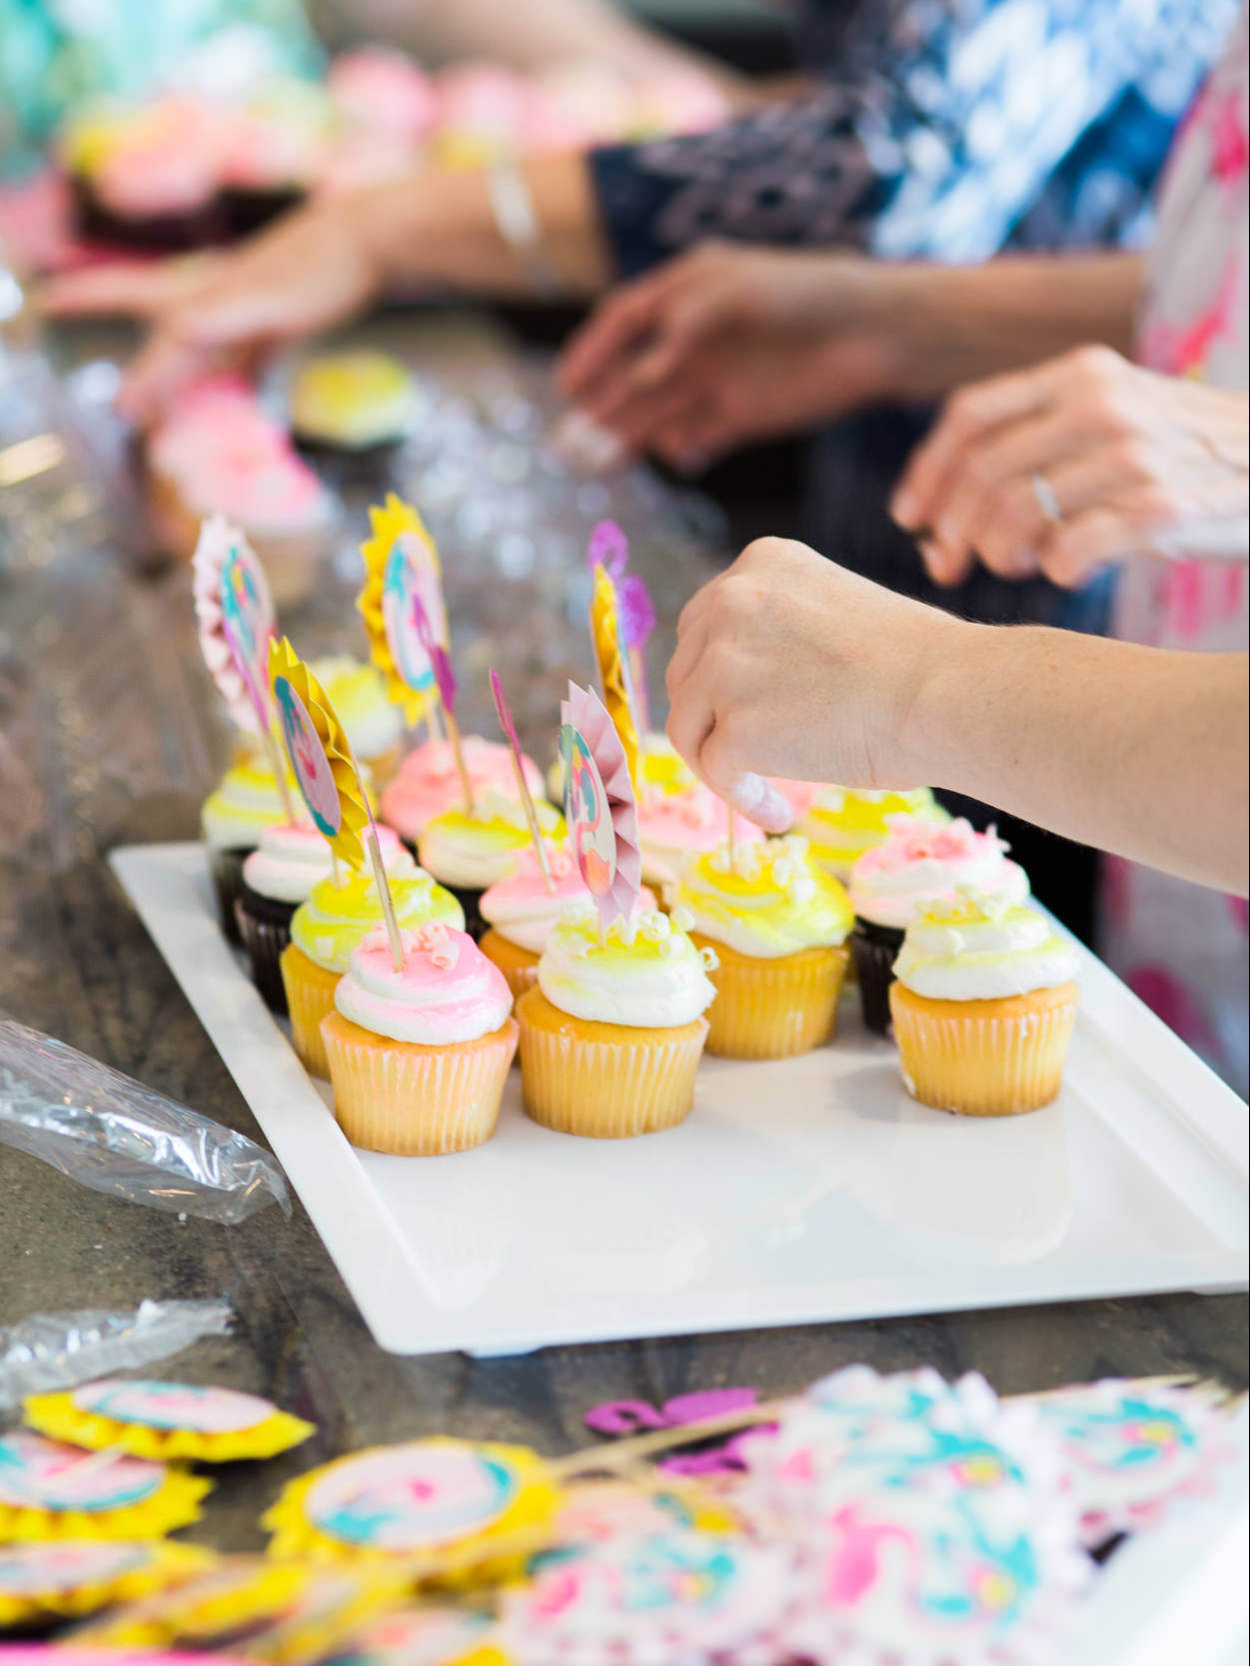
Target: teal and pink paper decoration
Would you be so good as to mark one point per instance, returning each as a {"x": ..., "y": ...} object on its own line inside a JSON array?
[
  {"x": 236, "y": 619},
  {"x": 599, "y": 805}
]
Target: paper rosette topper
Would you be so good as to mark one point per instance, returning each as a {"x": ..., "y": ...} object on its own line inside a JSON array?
[
  {"x": 609, "y": 548},
  {"x": 438, "y": 657},
  {"x": 321, "y": 759},
  {"x": 599, "y": 804},
  {"x": 166, "y": 1420},
  {"x": 67, "y": 1578},
  {"x": 402, "y": 568},
  {"x": 613, "y": 661},
  {"x": 50, "y": 1490},
  {"x": 236, "y": 620}
]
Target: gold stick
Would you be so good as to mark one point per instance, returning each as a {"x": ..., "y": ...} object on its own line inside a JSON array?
[
  {"x": 453, "y": 735},
  {"x": 732, "y": 833},
  {"x": 384, "y": 897},
  {"x": 531, "y": 821}
]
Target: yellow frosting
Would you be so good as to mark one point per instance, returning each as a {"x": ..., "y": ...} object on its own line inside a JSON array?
[
  {"x": 643, "y": 971},
  {"x": 358, "y": 694},
  {"x": 244, "y": 802},
  {"x": 775, "y": 901},
  {"x": 335, "y": 919},
  {"x": 844, "y": 822},
  {"x": 354, "y": 399},
  {"x": 478, "y": 848}
]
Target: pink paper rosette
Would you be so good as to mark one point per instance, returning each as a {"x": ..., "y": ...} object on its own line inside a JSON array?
[
  {"x": 599, "y": 804},
  {"x": 221, "y": 546}
]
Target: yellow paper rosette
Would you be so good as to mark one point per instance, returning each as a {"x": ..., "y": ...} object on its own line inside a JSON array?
[
  {"x": 167, "y": 1420},
  {"x": 71, "y": 1577},
  {"x": 437, "y": 1498},
  {"x": 320, "y": 756},
  {"x": 401, "y": 560},
  {"x": 605, "y": 628},
  {"x": 49, "y": 1490},
  {"x": 433, "y": 1636}
]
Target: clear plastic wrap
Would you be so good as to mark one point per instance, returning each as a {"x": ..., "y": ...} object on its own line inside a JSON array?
[
  {"x": 116, "y": 1136},
  {"x": 52, "y": 1351}
]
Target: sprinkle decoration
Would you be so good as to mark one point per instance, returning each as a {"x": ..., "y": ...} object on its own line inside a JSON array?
[
  {"x": 599, "y": 805},
  {"x": 522, "y": 785},
  {"x": 402, "y": 567}
]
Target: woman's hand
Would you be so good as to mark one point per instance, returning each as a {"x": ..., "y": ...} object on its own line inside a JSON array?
[
  {"x": 728, "y": 344},
  {"x": 1081, "y": 461},
  {"x": 789, "y": 665},
  {"x": 311, "y": 269}
]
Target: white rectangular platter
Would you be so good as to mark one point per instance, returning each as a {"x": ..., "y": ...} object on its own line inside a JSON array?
[{"x": 797, "y": 1192}]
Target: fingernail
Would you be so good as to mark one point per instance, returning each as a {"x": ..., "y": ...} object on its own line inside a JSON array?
[
  {"x": 904, "y": 508},
  {"x": 759, "y": 801}
]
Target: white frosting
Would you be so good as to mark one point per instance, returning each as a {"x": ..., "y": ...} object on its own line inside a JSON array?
[
  {"x": 460, "y": 996},
  {"x": 292, "y": 858},
  {"x": 654, "y": 980},
  {"x": 245, "y": 802},
  {"x": 475, "y": 852},
  {"x": 984, "y": 958},
  {"x": 893, "y": 896},
  {"x": 358, "y": 694}
]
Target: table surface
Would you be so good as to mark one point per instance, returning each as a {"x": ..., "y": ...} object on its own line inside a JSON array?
[{"x": 109, "y": 734}]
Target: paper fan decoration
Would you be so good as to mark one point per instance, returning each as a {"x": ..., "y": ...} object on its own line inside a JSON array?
[
  {"x": 166, "y": 1420},
  {"x": 321, "y": 759},
  {"x": 613, "y": 663},
  {"x": 66, "y": 1578},
  {"x": 599, "y": 805},
  {"x": 609, "y": 548},
  {"x": 426, "y": 1636},
  {"x": 235, "y": 619},
  {"x": 402, "y": 566},
  {"x": 436, "y": 1495},
  {"x": 52, "y": 1491}
]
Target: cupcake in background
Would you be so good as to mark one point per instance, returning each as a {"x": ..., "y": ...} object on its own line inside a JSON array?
[
  {"x": 291, "y": 858},
  {"x": 427, "y": 782},
  {"x": 919, "y": 862},
  {"x": 276, "y": 149},
  {"x": 419, "y": 1057},
  {"x": 355, "y": 405},
  {"x": 612, "y": 1035},
  {"x": 326, "y": 930},
  {"x": 844, "y": 822},
  {"x": 778, "y": 926},
  {"x": 377, "y": 89},
  {"x": 373, "y": 726},
  {"x": 676, "y": 826},
  {"x": 468, "y": 851},
  {"x": 240, "y": 807},
  {"x": 983, "y": 1004}
]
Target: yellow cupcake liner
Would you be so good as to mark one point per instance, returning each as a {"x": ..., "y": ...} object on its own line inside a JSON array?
[
  {"x": 605, "y": 1081},
  {"x": 415, "y": 1101},
  {"x": 309, "y": 998},
  {"x": 174, "y": 1503},
  {"x": 59, "y": 1417},
  {"x": 519, "y": 966},
  {"x": 984, "y": 1058},
  {"x": 773, "y": 1009},
  {"x": 463, "y": 1560},
  {"x": 56, "y": 1589}
]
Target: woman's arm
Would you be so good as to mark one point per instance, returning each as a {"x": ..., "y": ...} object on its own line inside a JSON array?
[{"x": 788, "y": 665}]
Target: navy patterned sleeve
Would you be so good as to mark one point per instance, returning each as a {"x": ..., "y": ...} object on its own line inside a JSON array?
[{"x": 942, "y": 129}]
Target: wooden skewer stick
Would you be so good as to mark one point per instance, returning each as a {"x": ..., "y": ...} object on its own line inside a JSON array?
[
  {"x": 384, "y": 897},
  {"x": 732, "y": 836},
  {"x": 462, "y": 769}
]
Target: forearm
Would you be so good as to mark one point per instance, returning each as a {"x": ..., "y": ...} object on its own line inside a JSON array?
[{"x": 1134, "y": 750}]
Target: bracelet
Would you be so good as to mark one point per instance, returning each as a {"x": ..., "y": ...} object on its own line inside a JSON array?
[{"x": 512, "y": 205}]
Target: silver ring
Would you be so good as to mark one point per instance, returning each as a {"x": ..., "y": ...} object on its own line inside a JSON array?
[{"x": 1047, "y": 499}]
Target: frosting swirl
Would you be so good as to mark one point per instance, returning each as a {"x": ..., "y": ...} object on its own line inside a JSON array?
[
  {"x": 673, "y": 826},
  {"x": 358, "y": 694},
  {"x": 336, "y": 918},
  {"x": 844, "y": 822},
  {"x": 447, "y": 992},
  {"x": 774, "y": 902},
  {"x": 645, "y": 973},
  {"x": 524, "y": 911},
  {"x": 922, "y": 860},
  {"x": 244, "y": 802},
  {"x": 476, "y": 849},
  {"x": 292, "y": 857},
  {"x": 427, "y": 782},
  {"x": 982, "y": 948}
]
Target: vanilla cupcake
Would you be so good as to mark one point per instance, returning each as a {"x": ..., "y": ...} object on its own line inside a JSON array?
[
  {"x": 844, "y": 822},
  {"x": 919, "y": 862},
  {"x": 418, "y": 1058},
  {"x": 612, "y": 1035},
  {"x": 373, "y": 726},
  {"x": 330, "y": 926},
  {"x": 983, "y": 1004},
  {"x": 675, "y": 827},
  {"x": 778, "y": 925},
  {"x": 469, "y": 851},
  {"x": 357, "y": 404},
  {"x": 243, "y": 803},
  {"x": 290, "y": 860},
  {"x": 427, "y": 782}
]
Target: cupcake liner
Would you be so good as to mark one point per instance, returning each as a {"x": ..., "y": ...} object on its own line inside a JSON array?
[
  {"x": 265, "y": 931},
  {"x": 875, "y": 949},
  {"x": 773, "y": 1009},
  {"x": 984, "y": 1058},
  {"x": 309, "y": 999},
  {"x": 225, "y": 868},
  {"x": 415, "y": 1101},
  {"x": 605, "y": 1081},
  {"x": 518, "y": 965}
]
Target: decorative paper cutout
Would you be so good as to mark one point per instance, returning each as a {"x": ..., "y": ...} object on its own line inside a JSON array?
[
  {"x": 166, "y": 1420},
  {"x": 599, "y": 805},
  {"x": 438, "y": 657},
  {"x": 52, "y": 1491},
  {"x": 235, "y": 615},
  {"x": 402, "y": 567},
  {"x": 70, "y": 1577},
  {"x": 609, "y": 548},
  {"x": 320, "y": 756},
  {"x": 614, "y": 672}
]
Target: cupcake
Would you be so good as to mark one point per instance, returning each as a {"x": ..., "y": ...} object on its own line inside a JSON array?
[
  {"x": 520, "y": 912},
  {"x": 329, "y": 926},
  {"x": 612, "y": 1034},
  {"x": 373, "y": 726},
  {"x": 844, "y": 822},
  {"x": 380, "y": 90},
  {"x": 662, "y": 767},
  {"x": 276, "y": 148},
  {"x": 418, "y": 1058},
  {"x": 676, "y": 826},
  {"x": 778, "y": 925},
  {"x": 356, "y": 405},
  {"x": 469, "y": 851},
  {"x": 983, "y": 1004},
  {"x": 427, "y": 782},
  {"x": 919, "y": 862},
  {"x": 278, "y": 875},
  {"x": 243, "y": 803},
  {"x": 799, "y": 795}
]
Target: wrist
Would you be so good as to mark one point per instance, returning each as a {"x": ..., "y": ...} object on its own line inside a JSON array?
[{"x": 933, "y": 717}]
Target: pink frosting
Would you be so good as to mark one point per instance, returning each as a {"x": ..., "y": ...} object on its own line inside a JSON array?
[
  {"x": 267, "y": 150},
  {"x": 427, "y": 782},
  {"x": 799, "y": 795},
  {"x": 482, "y": 99},
  {"x": 383, "y": 90},
  {"x": 164, "y": 160},
  {"x": 912, "y": 839},
  {"x": 447, "y": 991},
  {"x": 692, "y": 820},
  {"x": 527, "y": 884}
]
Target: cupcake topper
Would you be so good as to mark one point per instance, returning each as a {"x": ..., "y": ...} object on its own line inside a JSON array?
[
  {"x": 328, "y": 775},
  {"x": 402, "y": 567},
  {"x": 609, "y": 549},
  {"x": 522, "y": 786},
  {"x": 235, "y": 615},
  {"x": 599, "y": 805},
  {"x": 612, "y": 658},
  {"x": 445, "y": 681}
]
